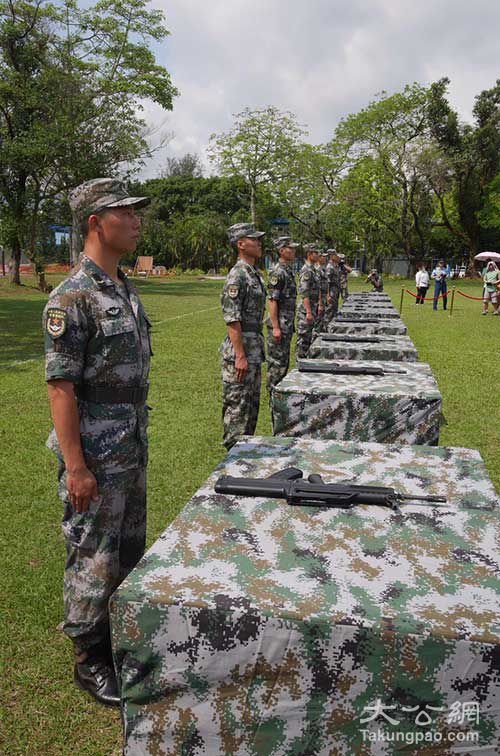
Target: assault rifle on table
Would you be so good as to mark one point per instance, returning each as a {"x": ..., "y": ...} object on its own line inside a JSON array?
[
  {"x": 354, "y": 338},
  {"x": 334, "y": 368},
  {"x": 289, "y": 484}
]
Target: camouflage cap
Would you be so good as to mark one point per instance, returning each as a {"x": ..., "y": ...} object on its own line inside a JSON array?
[
  {"x": 331, "y": 251},
  {"x": 313, "y": 247},
  {"x": 242, "y": 230},
  {"x": 285, "y": 241},
  {"x": 100, "y": 194},
  {"x": 324, "y": 253}
]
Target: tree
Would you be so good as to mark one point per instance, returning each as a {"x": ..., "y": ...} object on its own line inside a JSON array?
[
  {"x": 71, "y": 84},
  {"x": 467, "y": 160},
  {"x": 188, "y": 166},
  {"x": 259, "y": 148}
]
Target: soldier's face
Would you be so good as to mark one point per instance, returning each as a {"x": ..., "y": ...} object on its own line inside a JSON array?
[
  {"x": 288, "y": 254},
  {"x": 119, "y": 228},
  {"x": 314, "y": 257},
  {"x": 250, "y": 247}
]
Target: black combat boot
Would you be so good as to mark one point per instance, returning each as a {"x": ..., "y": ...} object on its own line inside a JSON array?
[{"x": 97, "y": 677}]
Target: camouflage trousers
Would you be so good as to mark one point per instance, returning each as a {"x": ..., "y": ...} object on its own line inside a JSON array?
[
  {"x": 240, "y": 402},
  {"x": 331, "y": 310},
  {"x": 278, "y": 358},
  {"x": 304, "y": 336},
  {"x": 102, "y": 545},
  {"x": 344, "y": 293}
]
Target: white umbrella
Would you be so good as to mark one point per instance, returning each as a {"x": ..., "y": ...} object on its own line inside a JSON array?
[{"x": 487, "y": 256}]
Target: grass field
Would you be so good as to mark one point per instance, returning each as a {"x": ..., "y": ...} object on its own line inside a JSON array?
[{"x": 42, "y": 712}]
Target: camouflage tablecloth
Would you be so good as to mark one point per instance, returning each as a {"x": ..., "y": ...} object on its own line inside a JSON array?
[
  {"x": 398, "y": 348},
  {"x": 365, "y": 312},
  {"x": 394, "y": 408},
  {"x": 254, "y": 628},
  {"x": 388, "y": 327}
]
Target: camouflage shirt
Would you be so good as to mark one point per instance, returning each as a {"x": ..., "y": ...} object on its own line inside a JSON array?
[
  {"x": 333, "y": 277},
  {"x": 283, "y": 289},
  {"x": 97, "y": 333},
  {"x": 323, "y": 283},
  {"x": 309, "y": 285},
  {"x": 243, "y": 300}
]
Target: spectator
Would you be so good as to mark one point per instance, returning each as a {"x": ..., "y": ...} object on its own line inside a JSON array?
[
  {"x": 375, "y": 280},
  {"x": 422, "y": 283},
  {"x": 440, "y": 288},
  {"x": 491, "y": 277}
]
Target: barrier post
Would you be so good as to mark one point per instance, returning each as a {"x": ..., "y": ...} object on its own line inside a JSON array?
[
  {"x": 401, "y": 302},
  {"x": 452, "y": 300}
]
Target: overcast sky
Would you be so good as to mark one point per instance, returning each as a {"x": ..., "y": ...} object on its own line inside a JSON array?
[{"x": 321, "y": 59}]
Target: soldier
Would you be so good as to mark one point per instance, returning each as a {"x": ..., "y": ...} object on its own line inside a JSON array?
[
  {"x": 344, "y": 272},
  {"x": 243, "y": 302},
  {"x": 308, "y": 309},
  {"x": 98, "y": 351},
  {"x": 320, "y": 266},
  {"x": 333, "y": 287},
  {"x": 281, "y": 320}
]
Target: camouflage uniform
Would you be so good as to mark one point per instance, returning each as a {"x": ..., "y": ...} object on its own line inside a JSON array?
[
  {"x": 343, "y": 276},
  {"x": 282, "y": 289},
  {"x": 309, "y": 286},
  {"x": 97, "y": 336},
  {"x": 243, "y": 300},
  {"x": 333, "y": 283},
  {"x": 320, "y": 324}
]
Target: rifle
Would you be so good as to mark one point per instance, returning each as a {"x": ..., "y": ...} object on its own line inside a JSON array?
[
  {"x": 289, "y": 484},
  {"x": 356, "y": 339},
  {"x": 349, "y": 369}
]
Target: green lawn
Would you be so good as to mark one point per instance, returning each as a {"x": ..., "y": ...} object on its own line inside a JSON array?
[{"x": 43, "y": 713}]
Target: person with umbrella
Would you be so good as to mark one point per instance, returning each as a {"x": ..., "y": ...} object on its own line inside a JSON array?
[{"x": 491, "y": 281}]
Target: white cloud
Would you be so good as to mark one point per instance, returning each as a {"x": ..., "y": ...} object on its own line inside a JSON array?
[{"x": 321, "y": 60}]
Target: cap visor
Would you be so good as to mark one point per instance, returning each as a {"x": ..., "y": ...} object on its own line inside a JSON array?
[
  {"x": 131, "y": 201},
  {"x": 256, "y": 235}
]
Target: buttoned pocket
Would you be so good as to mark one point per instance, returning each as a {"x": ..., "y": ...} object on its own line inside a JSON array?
[{"x": 119, "y": 342}]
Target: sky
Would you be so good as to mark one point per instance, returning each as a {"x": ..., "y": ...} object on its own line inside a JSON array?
[{"x": 320, "y": 59}]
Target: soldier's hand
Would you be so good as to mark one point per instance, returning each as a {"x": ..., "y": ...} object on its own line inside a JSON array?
[
  {"x": 82, "y": 488},
  {"x": 310, "y": 318},
  {"x": 241, "y": 365},
  {"x": 277, "y": 335},
  {"x": 321, "y": 309},
  {"x": 329, "y": 300}
]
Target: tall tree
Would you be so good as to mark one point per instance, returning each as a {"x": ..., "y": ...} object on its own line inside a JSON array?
[
  {"x": 259, "y": 148},
  {"x": 188, "y": 166},
  {"x": 71, "y": 84}
]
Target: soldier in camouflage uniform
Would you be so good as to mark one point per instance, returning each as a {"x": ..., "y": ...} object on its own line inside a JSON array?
[
  {"x": 344, "y": 272},
  {"x": 308, "y": 309},
  {"x": 243, "y": 302},
  {"x": 281, "y": 320},
  {"x": 98, "y": 349},
  {"x": 333, "y": 287},
  {"x": 320, "y": 266}
]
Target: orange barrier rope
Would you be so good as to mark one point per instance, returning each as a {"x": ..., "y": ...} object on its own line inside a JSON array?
[
  {"x": 427, "y": 299},
  {"x": 467, "y": 296}
]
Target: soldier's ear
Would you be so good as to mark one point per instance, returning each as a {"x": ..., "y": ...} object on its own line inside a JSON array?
[{"x": 93, "y": 222}]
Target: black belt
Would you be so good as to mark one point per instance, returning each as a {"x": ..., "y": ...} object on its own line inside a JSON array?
[
  {"x": 117, "y": 395},
  {"x": 251, "y": 327}
]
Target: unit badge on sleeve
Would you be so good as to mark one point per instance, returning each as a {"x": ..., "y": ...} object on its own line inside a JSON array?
[{"x": 56, "y": 322}]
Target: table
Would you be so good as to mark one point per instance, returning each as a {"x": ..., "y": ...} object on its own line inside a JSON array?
[
  {"x": 398, "y": 348},
  {"x": 252, "y": 627},
  {"x": 388, "y": 327},
  {"x": 399, "y": 407},
  {"x": 362, "y": 312}
]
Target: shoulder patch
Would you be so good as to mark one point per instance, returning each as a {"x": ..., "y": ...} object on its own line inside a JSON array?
[
  {"x": 56, "y": 322},
  {"x": 273, "y": 279},
  {"x": 232, "y": 291},
  {"x": 306, "y": 276}
]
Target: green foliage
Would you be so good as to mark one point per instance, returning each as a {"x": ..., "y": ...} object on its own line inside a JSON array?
[{"x": 71, "y": 84}]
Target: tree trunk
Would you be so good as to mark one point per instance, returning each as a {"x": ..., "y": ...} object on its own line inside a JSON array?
[
  {"x": 15, "y": 276},
  {"x": 253, "y": 210}
]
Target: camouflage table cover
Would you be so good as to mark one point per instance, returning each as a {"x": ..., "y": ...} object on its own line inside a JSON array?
[
  {"x": 394, "y": 408},
  {"x": 388, "y": 327},
  {"x": 398, "y": 348},
  {"x": 365, "y": 312},
  {"x": 255, "y": 628},
  {"x": 369, "y": 305}
]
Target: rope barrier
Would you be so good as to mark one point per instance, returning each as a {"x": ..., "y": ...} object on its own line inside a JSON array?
[
  {"x": 467, "y": 296},
  {"x": 427, "y": 299}
]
